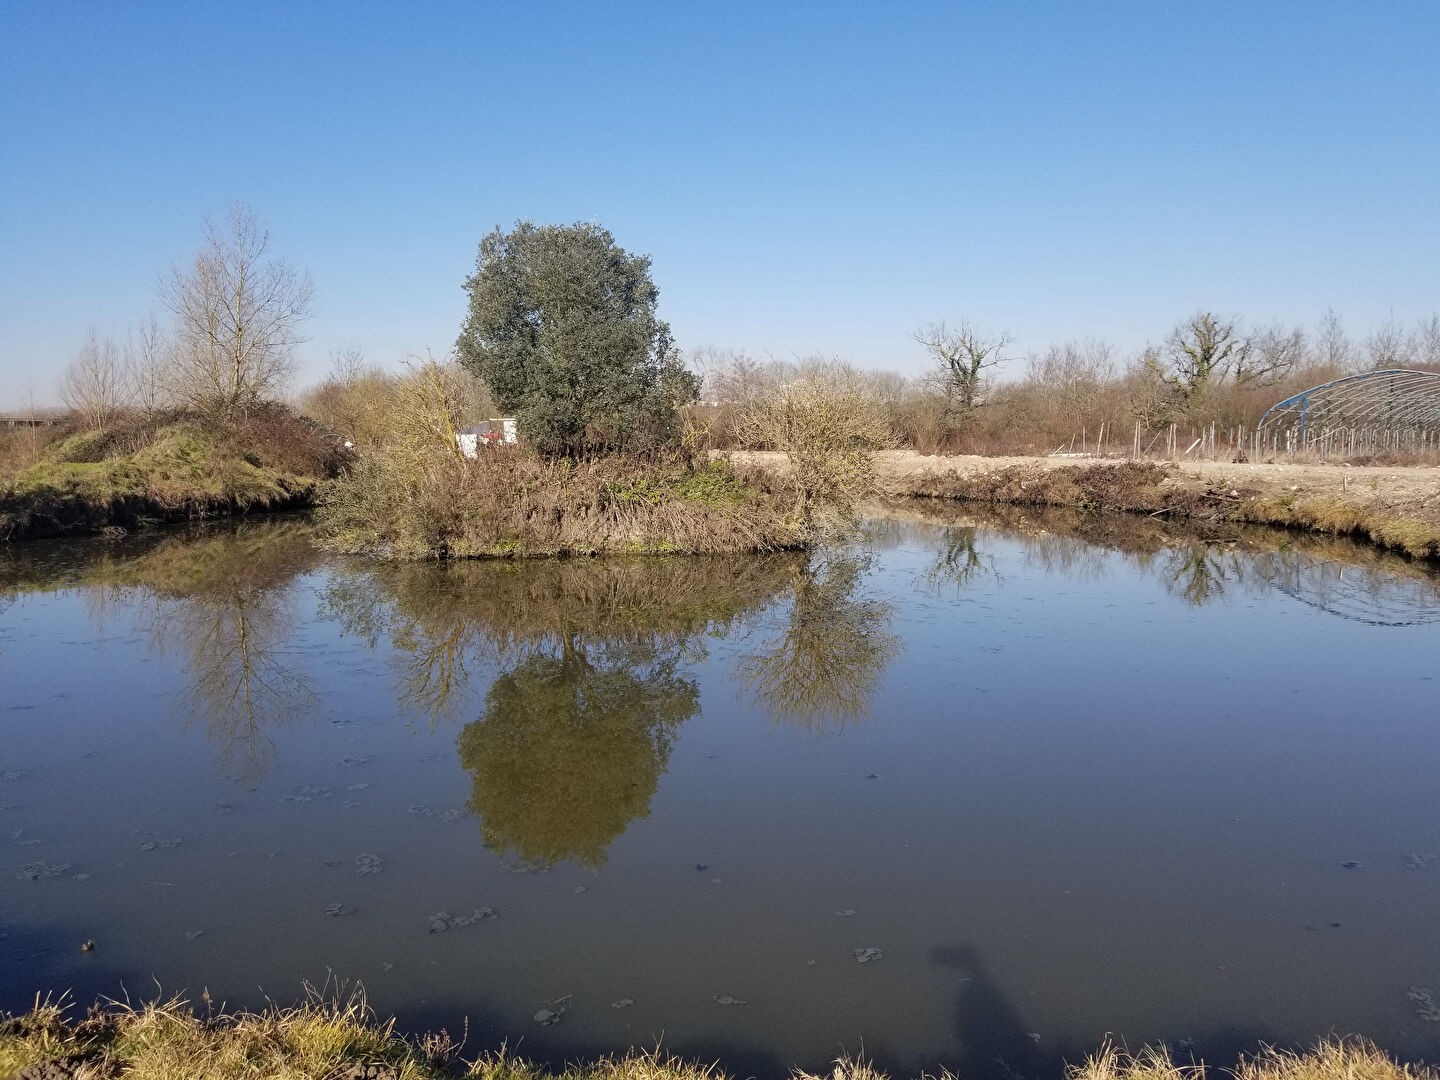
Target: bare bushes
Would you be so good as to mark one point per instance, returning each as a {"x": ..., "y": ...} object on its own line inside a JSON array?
[
  {"x": 416, "y": 496},
  {"x": 828, "y": 428}
]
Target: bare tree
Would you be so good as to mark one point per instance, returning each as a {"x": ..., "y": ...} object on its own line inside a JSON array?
[
  {"x": 962, "y": 355},
  {"x": 92, "y": 386},
  {"x": 1072, "y": 376},
  {"x": 146, "y": 366},
  {"x": 1387, "y": 347},
  {"x": 1198, "y": 354},
  {"x": 1273, "y": 354},
  {"x": 238, "y": 317},
  {"x": 1333, "y": 347},
  {"x": 1425, "y": 342}
]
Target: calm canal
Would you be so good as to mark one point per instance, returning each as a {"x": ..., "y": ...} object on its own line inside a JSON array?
[{"x": 973, "y": 794}]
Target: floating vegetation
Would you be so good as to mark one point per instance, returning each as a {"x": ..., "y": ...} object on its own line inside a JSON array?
[
  {"x": 524, "y": 866},
  {"x": 36, "y": 870},
  {"x": 1425, "y": 1007},
  {"x": 552, "y": 1012},
  {"x": 726, "y": 999},
  {"x": 864, "y": 956},
  {"x": 453, "y": 814},
  {"x": 307, "y": 794},
  {"x": 365, "y": 863},
  {"x": 337, "y": 911},
  {"x": 846, "y": 913},
  {"x": 1419, "y": 862},
  {"x": 349, "y": 761},
  {"x": 623, "y": 1003},
  {"x": 155, "y": 845},
  {"x": 442, "y": 921},
  {"x": 191, "y": 935}
]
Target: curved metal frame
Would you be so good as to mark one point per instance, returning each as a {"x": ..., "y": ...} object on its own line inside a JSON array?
[{"x": 1395, "y": 397}]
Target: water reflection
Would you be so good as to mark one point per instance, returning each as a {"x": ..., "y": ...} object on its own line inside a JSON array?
[
  {"x": 821, "y": 668},
  {"x": 1196, "y": 564},
  {"x": 219, "y": 601}
]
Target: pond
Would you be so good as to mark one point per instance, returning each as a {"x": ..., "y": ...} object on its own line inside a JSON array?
[{"x": 973, "y": 793}]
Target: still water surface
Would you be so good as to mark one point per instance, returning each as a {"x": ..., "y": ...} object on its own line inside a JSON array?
[{"x": 1049, "y": 778}]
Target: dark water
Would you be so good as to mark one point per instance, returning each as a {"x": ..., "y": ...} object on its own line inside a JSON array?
[{"x": 1068, "y": 777}]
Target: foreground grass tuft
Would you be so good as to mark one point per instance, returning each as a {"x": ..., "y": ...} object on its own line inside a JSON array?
[{"x": 343, "y": 1040}]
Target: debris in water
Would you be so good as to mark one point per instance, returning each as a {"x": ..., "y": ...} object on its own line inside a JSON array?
[
  {"x": 11, "y": 775},
  {"x": 811, "y": 963},
  {"x": 365, "y": 863},
  {"x": 351, "y": 804},
  {"x": 36, "y": 870},
  {"x": 224, "y": 808},
  {"x": 701, "y": 866},
  {"x": 623, "y": 1003},
  {"x": 1425, "y": 1007},
  {"x": 356, "y": 787},
  {"x": 1351, "y": 865},
  {"x": 87, "y": 946},
  {"x": 349, "y": 761},
  {"x": 191, "y": 935},
  {"x": 846, "y": 913},
  {"x": 307, "y": 794},
  {"x": 553, "y": 1011},
  {"x": 726, "y": 999},
  {"x": 151, "y": 845},
  {"x": 442, "y": 921},
  {"x": 82, "y": 877},
  {"x": 874, "y": 776},
  {"x": 338, "y": 911},
  {"x": 443, "y": 815},
  {"x": 524, "y": 866},
  {"x": 868, "y": 954},
  {"x": 581, "y": 888},
  {"x": 1419, "y": 862},
  {"x": 1033, "y": 1036}
]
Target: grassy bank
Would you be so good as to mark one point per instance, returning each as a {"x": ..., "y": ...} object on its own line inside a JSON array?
[
  {"x": 1165, "y": 490},
  {"x": 167, "y": 468},
  {"x": 344, "y": 1041},
  {"x": 509, "y": 502}
]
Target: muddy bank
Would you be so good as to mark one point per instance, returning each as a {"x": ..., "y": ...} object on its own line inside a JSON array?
[{"x": 1395, "y": 507}]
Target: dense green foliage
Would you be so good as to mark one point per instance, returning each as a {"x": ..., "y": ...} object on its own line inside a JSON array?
[{"x": 562, "y": 328}]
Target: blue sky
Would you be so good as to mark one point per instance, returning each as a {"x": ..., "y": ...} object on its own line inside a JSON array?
[{"x": 806, "y": 177}]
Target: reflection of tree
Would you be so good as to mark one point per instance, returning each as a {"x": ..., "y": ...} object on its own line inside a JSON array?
[
  {"x": 823, "y": 666},
  {"x": 446, "y": 620},
  {"x": 576, "y": 729},
  {"x": 959, "y": 561},
  {"x": 570, "y": 750},
  {"x": 1200, "y": 572},
  {"x": 219, "y": 600}
]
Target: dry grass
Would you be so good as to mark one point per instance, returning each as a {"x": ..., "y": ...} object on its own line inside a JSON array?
[{"x": 325, "y": 1038}]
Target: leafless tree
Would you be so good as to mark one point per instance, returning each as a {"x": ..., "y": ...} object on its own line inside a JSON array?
[
  {"x": 1073, "y": 376},
  {"x": 962, "y": 355},
  {"x": 1387, "y": 347},
  {"x": 1273, "y": 353},
  {"x": 1198, "y": 354},
  {"x": 146, "y": 366},
  {"x": 1425, "y": 342},
  {"x": 238, "y": 317},
  {"x": 92, "y": 386},
  {"x": 1333, "y": 347}
]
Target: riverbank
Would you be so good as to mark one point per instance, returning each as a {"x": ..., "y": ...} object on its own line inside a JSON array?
[
  {"x": 1394, "y": 507},
  {"x": 168, "y": 468},
  {"x": 326, "y": 1040}
]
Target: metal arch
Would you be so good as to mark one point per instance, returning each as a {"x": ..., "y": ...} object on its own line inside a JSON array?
[{"x": 1400, "y": 397}]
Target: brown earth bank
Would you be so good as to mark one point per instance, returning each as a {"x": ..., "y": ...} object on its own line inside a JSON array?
[{"x": 1396, "y": 507}]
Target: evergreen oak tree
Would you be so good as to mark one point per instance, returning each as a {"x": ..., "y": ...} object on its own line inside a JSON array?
[{"x": 562, "y": 328}]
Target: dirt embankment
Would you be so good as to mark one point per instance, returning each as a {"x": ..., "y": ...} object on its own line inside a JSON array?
[{"x": 1393, "y": 506}]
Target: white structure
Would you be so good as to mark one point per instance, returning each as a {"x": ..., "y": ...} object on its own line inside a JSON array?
[{"x": 488, "y": 433}]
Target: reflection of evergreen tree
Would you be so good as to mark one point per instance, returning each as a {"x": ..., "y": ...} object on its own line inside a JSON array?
[{"x": 570, "y": 750}]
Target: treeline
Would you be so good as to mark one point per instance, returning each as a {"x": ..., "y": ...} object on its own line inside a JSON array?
[{"x": 971, "y": 399}]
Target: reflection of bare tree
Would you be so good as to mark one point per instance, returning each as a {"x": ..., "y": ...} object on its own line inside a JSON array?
[
  {"x": 219, "y": 599},
  {"x": 959, "y": 562},
  {"x": 1200, "y": 573},
  {"x": 446, "y": 620},
  {"x": 822, "y": 668}
]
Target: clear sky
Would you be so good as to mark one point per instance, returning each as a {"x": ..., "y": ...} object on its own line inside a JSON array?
[{"x": 806, "y": 177}]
